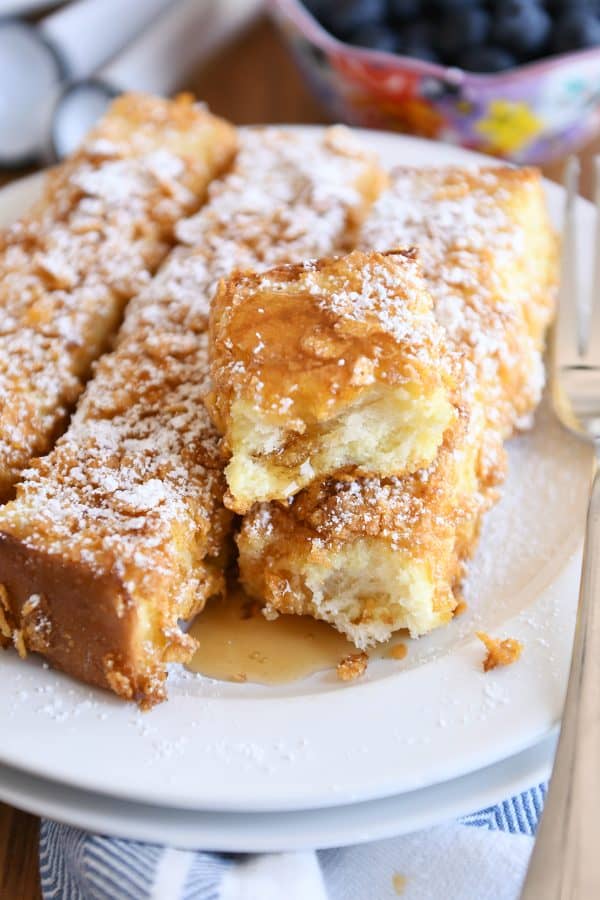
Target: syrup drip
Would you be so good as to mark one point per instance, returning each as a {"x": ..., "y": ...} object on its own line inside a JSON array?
[{"x": 237, "y": 643}]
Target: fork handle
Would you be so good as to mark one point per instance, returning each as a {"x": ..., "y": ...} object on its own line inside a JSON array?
[{"x": 565, "y": 863}]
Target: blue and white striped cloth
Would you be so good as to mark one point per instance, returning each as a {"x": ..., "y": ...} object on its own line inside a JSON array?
[{"x": 482, "y": 856}]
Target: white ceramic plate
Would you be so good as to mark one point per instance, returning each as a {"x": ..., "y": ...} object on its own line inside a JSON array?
[
  {"x": 318, "y": 743},
  {"x": 336, "y": 826}
]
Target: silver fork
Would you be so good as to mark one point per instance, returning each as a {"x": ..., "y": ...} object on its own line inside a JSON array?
[{"x": 565, "y": 863}]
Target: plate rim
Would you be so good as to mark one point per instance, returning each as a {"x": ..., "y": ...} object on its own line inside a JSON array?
[{"x": 226, "y": 832}]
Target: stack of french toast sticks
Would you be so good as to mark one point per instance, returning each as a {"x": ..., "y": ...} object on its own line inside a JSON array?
[{"x": 264, "y": 336}]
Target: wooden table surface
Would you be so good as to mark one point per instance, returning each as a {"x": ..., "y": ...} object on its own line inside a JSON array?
[{"x": 252, "y": 81}]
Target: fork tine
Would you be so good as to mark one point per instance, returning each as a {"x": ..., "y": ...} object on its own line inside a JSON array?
[
  {"x": 593, "y": 338},
  {"x": 567, "y": 344}
]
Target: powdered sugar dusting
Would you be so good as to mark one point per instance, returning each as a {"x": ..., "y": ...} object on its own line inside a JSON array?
[
  {"x": 325, "y": 335},
  {"x": 141, "y": 453},
  {"x": 288, "y": 198},
  {"x": 388, "y": 292},
  {"x": 102, "y": 227},
  {"x": 134, "y": 488},
  {"x": 488, "y": 255},
  {"x": 487, "y": 268}
]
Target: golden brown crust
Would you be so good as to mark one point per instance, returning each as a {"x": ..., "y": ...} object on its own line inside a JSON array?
[
  {"x": 102, "y": 227},
  {"x": 118, "y": 509},
  {"x": 402, "y": 510},
  {"x": 302, "y": 341},
  {"x": 81, "y": 621},
  {"x": 429, "y": 519},
  {"x": 488, "y": 254},
  {"x": 490, "y": 259},
  {"x": 127, "y": 509},
  {"x": 304, "y": 357}
]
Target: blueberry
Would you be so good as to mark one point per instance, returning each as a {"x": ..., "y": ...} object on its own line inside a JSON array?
[
  {"x": 416, "y": 40},
  {"x": 457, "y": 31},
  {"x": 576, "y": 30},
  {"x": 486, "y": 59},
  {"x": 343, "y": 17},
  {"x": 453, "y": 5},
  {"x": 375, "y": 37},
  {"x": 319, "y": 8},
  {"x": 404, "y": 10},
  {"x": 522, "y": 27},
  {"x": 561, "y": 6},
  {"x": 418, "y": 51}
]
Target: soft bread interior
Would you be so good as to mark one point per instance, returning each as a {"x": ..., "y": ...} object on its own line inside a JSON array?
[
  {"x": 388, "y": 431},
  {"x": 367, "y": 590}
]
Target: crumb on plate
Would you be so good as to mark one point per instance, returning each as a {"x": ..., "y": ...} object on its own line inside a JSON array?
[
  {"x": 352, "y": 666},
  {"x": 499, "y": 653}
]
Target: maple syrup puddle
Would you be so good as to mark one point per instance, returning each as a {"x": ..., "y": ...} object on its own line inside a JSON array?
[{"x": 237, "y": 643}]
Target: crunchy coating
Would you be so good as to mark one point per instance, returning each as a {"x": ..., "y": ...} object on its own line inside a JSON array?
[
  {"x": 103, "y": 225},
  {"x": 372, "y": 555},
  {"x": 120, "y": 531},
  {"x": 127, "y": 510},
  {"x": 331, "y": 365},
  {"x": 490, "y": 259},
  {"x": 499, "y": 652}
]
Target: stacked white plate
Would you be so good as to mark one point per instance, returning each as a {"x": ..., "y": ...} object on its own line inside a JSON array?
[{"x": 320, "y": 763}]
